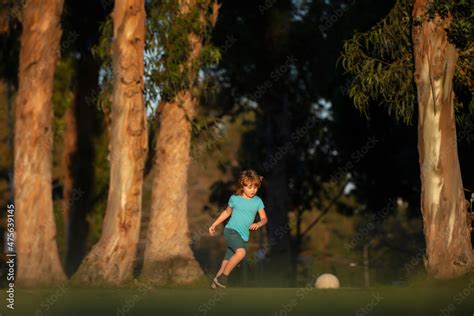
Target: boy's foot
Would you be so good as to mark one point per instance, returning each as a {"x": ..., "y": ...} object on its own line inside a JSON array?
[
  {"x": 213, "y": 285},
  {"x": 221, "y": 281}
]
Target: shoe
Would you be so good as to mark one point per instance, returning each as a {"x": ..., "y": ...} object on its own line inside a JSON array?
[{"x": 221, "y": 281}]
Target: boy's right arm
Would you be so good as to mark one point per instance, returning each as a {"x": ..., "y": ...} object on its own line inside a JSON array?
[{"x": 222, "y": 217}]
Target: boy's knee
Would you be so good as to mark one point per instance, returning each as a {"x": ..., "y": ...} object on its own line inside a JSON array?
[{"x": 240, "y": 252}]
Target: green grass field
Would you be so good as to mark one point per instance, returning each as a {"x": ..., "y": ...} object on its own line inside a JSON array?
[{"x": 142, "y": 300}]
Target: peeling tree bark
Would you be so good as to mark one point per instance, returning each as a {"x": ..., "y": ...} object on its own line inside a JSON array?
[
  {"x": 168, "y": 256},
  {"x": 444, "y": 208},
  {"x": 37, "y": 251},
  {"x": 111, "y": 260}
]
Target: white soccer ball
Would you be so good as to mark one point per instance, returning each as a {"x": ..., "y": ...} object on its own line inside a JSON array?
[{"x": 327, "y": 281}]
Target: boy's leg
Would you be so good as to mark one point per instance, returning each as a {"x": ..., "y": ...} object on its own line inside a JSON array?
[
  {"x": 224, "y": 263},
  {"x": 228, "y": 254},
  {"x": 235, "y": 254},
  {"x": 231, "y": 264},
  {"x": 234, "y": 261}
]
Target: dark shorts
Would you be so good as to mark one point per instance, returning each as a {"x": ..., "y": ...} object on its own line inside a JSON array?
[{"x": 234, "y": 241}]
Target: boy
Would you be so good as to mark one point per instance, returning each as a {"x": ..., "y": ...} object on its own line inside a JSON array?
[{"x": 242, "y": 208}]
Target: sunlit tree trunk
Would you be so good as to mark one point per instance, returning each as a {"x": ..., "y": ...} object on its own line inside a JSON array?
[
  {"x": 444, "y": 208},
  {"x": 168, "y": 256},
  {"x": 37, "y": 251},
  {"x": 112, "y": 259}
]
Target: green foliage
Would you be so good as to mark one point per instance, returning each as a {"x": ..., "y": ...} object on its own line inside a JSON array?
[
  {"x": 101, "y": 185},
  {"x": 63, "y": 98},
  {"x": 461, "y": 30},
  {"x": 168, "y": 47},
  {"x": 381, "y": 60},
  {"x": 208, "y": 136},
  {"x": 460, "y": 34},
  {"x": 382, "y": 65},
  {"x": 64, "y": 80},
  {"x": 103, "y": 52},
  {"x": 103, "y": 49}
]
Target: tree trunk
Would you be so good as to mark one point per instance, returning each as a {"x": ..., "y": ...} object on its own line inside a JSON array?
[
  {"x": 82, "y": 127},
  {"x": 81, "y": 124},
  {"x": 37, "y": 250},
  {"x": 111, "y": 260},
  {"x": 168, "y": 256},
  {"x": 444, "y": 208},
  {"x": 277, "y": 134}
]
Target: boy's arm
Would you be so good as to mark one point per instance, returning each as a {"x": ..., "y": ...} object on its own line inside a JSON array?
[
  {"x": 225, "y": 214},
  {"x": 263, "y": 220}
]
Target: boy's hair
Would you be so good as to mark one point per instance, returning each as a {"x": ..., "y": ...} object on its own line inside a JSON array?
[{"x": 247, "y": 176}]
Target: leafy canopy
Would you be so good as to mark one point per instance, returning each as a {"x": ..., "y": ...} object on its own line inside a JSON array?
[{"x": 381, "y": 59}]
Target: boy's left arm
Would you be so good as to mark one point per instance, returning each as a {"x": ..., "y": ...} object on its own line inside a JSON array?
[{"x": 263, "y": 220}]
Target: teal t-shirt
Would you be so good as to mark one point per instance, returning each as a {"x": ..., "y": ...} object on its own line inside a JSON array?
[{"x": 243, "y": 213}]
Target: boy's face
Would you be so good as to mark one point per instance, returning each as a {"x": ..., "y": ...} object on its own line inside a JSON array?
[{"x": 250, "y": 189}]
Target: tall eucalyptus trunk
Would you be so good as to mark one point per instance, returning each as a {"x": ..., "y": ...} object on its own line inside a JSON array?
[
  {"x": 168, "y": 255},
  {"x": 37, "y": 251},
  {"x": 444, "y": 208},
  {"x": 112, "y": 259}
]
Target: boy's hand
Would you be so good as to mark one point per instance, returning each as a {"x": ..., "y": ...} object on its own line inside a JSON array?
[
  {"x": 254, "y": 226},
  {"x": 212, "y": 230}
]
